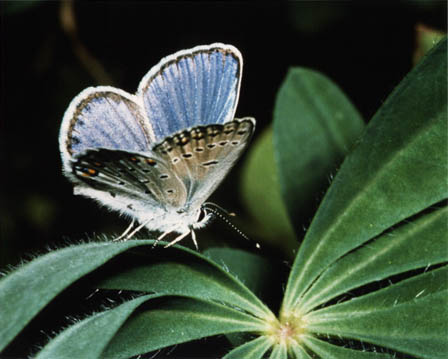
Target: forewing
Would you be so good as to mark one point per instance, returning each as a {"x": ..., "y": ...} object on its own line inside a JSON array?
[
  {"x": 142, "y": 180},
  {"x": 203, "y": 155},
  {"x": 103, "y": 117},
  {"x": 192, "y": 87}
]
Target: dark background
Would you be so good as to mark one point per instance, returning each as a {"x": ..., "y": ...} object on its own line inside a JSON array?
[
  {"x": 46, "y": 59},
  {"x": 52, "y": 50}
]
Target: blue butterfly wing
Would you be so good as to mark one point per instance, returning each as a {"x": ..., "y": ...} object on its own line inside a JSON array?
[
  {"x": 104, "y": 117},
  {"x": 191, "y": 88}
]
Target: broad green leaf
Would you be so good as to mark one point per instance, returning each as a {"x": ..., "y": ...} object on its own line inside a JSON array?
[
  {"x": 254, "y": 271},
  {"x": 279, "y": 351},
  {"x": 327, "y": 350},
  {"x": 298, "y": 352},
  {"x": 179, "y": 271},
  {"x": 260, "y": 190},
  {"x": 255, "y": 349},
  {"x": 397, "y": 170},
  {"x": 315, "y": 125},
  {"x": 417, "y": 244},
  {"x": 169, "y": 321},
  {"x": 29, "y": 288},
  {"x": 88, "y": 338},
  {"x": 166, "y": 322},
  {"x": 410, "y": 316}
]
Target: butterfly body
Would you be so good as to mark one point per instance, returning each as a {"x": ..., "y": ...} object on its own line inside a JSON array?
[{"x": 157, "y": 156}]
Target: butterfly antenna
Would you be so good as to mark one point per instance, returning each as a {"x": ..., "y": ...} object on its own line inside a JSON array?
[{"x": 221, "y": 213}]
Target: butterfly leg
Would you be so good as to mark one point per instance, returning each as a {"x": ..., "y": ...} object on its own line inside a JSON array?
[
  {"x": 178, "y": 239},
  {"x": 159, "y": 238},
  {"x": 193, "y": 237},
  {"x": 123, "y": 235},
  {"x": 129, "y": 236}
]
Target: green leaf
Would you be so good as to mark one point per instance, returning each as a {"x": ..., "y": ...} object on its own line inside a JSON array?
[
  {"x": 410, "y": 316},
  {"x": 416, "y": 244},
  {"x": 254, "y": 271},
  {"x": 28, "y": 289},
  {"x": 254, "y": 349},
  {"x": 298, "y": 352},
  {"x": 397, "y": 170},
  {"x": 181, "y": 271},
  {"x": 89, "y": 337},
  {"x": 279, "y": 351},
  {"x": 315, "y": 125},
  {"x": 169, "y": 321},
  {"x": 327, "y": 350},
  {"x": 263, "y": 199},
  {"x": 160, "y": 323}
]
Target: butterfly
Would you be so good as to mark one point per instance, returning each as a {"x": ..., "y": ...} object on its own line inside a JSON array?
[{"x": 157, "y": 156}]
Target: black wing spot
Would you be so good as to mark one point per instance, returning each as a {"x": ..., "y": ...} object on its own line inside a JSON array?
[
  {"x": 175, "y": 160},
  {"x": 211, "y": 145},
  {"x": 210, "y": 163},
  {"x": 74, "y": 140},
  {"x": 223, "y": 143},
  {"x": 164, "y": 176},
  {"x": 170, "y": 191},
  {"x": 235, "y": 143},
  {"x": 121, "y": 183},
  {"x": 187, "y": 155},
  {"x": 112, "y": 194},
  {"x": 241, "y": 132},
  {"x": 199, "y": 149}
]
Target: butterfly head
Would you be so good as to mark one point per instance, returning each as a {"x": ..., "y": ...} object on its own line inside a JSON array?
[{"x": 196, "y": 219}]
